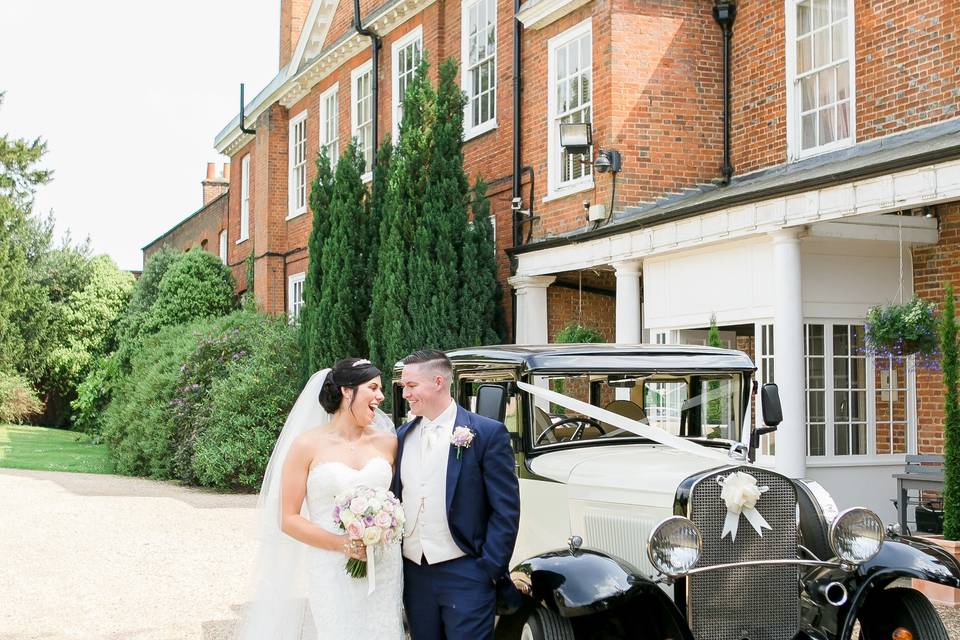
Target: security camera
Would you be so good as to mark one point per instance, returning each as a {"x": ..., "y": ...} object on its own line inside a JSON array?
[
  {"x": 516, "y": 203},
  {"x": 607, "y": 161},
  {"x": 586, "y": 205}
]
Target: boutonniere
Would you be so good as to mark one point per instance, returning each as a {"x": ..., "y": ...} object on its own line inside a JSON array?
[{"x": 461, "y": 438}]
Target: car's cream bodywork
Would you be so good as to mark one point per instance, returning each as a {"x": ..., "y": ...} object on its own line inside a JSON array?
[{"x": 606, "y": 495}]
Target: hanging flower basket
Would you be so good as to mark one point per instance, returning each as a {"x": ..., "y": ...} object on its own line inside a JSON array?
[
  {"x": 576, "y": 333},
  {"x": 902, "y": 329}
]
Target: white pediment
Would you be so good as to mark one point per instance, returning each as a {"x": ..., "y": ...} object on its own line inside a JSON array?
[{"x": 313, "y": 35}]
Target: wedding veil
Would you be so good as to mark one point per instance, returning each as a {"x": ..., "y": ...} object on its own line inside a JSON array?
[{"x": 279, "y": 607}]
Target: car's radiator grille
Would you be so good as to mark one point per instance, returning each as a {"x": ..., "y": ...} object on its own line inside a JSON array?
[{"x": 754, "y": 603}]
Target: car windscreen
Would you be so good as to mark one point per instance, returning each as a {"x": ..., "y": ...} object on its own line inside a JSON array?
[{"x": 692, "y": 405}]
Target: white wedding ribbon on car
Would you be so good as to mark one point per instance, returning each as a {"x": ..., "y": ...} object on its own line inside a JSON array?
[
  {"x": 740, "y": 493},
  {"x": 633, "y": 426}
]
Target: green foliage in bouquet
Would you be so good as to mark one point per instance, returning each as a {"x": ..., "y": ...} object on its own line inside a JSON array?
[{"x": 902, "y": 329}]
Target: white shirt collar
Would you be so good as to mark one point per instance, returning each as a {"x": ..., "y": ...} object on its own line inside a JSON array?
[{"x": 446, "y": 418}]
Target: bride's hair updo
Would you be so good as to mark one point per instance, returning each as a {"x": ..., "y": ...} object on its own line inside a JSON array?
[{"x": 348, "y": 373}]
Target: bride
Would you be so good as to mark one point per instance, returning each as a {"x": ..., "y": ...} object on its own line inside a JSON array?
[{"x": 334, "y": 440}]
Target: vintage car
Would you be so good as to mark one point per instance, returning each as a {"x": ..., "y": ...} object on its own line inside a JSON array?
[{"x": 644, "y": 517}]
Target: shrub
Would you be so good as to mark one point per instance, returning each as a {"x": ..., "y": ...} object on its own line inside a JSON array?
[
  {"x": 93, "y": 395},
  {"x": 951, "y": 417},
  {"x": 18, "y": 400},
  {"x": 138, "y": 424},
  {"x": 196, "y": 285},
  {"x": 576, "y": 333},
  {"x": 247, "y": 409}
]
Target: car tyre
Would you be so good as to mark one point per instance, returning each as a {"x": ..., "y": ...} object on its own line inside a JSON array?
[
  {"x": 544, "y": 624},
  {"x": 899, "y": 607}
]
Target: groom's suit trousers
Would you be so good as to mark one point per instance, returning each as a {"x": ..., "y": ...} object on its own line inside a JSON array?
[{"x": 452, "y": 600}]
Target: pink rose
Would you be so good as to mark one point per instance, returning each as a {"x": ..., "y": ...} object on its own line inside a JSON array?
[
  {"x": 358, "y": 505},
  {"x": 355, "y": 530},
  {"x": 383, "y": 519}
]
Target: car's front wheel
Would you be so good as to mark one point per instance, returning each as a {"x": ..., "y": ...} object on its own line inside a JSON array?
[
  {"x": 544, "y": 624},
  {"x": 900, "y": 608}
]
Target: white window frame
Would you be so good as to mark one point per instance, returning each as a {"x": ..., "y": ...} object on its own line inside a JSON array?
[
  {"x": 295, "y": 207},
  {"x": 332, "y": 145},
  {"x": 396, "y": 111},
  {"x": 794, "y": 130},
  {"x": 365, "y": 68},
  {"x": 556, "y": 189},
  {"x": 831, "y": 458},
  {"x": 293, "y": 305},
  {"x": 223, "y": 245},
  {"x": 244, "y": 199},
  {"x": 470, "y": 131}
]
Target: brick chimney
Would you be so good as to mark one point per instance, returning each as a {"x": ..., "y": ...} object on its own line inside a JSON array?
[
  {"x": 293, "y": 13},
  {"x": 215, "y": 185}
]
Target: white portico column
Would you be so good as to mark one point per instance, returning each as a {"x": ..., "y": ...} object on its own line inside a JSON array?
[
  {"x": 531, "y": 308},
  {"x": 791, "y": 458},
  {"x": 628, "y": 301}
]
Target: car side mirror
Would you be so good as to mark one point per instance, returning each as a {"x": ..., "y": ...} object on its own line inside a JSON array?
[
  {"x": 492, "y": 401},
  {"x": 770, "y": 402}
]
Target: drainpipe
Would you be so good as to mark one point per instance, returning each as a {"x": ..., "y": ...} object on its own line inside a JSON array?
[
  {"x": 244, "y": 129},
  {"x": 725, "y": 12},
  {"x": 376, "y": 44},
  {"x": 517, "y": 167}
]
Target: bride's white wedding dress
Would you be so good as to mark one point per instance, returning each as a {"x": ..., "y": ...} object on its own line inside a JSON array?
[{"x": 339, "y": 603}]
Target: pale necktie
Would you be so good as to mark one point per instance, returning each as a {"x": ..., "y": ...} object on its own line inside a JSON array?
[{"x": 431, "y": 433}]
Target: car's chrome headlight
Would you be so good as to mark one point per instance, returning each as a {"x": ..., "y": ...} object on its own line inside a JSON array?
[
  {"x": 674, "y": 546},
  {"x": 856, "y": 535}
]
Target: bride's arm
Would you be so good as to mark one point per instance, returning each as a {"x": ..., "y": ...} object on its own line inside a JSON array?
[{"x": 292, "y": 492}]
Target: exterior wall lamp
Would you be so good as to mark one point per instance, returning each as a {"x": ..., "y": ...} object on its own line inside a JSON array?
[{"x": 576, "y": 138}]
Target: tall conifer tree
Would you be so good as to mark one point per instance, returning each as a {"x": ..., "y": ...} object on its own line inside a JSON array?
[
  {"x": 342, "y": 311},
  {"x": 479, "y": 292},
  {"x": 389, "y": 329},
  {"x": 312, "y": 359}
]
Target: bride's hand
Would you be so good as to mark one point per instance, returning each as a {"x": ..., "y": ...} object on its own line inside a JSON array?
[{"x": 354, "y": 549}]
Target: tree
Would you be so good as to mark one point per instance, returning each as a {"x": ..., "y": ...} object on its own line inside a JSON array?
[
  {"x": 389, "y": 328},
  {"x": 311, "y": 358},
  {"x": 142, "y": 299},
  {"x": 197, "y": 285},
  {"x": 951, "y": 417},
  {"x": 19, "y": 178},
  {"x": 479, "y": 291},
  {"x": 341, "y": 313}
]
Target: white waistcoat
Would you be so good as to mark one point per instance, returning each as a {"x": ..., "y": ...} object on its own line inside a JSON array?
[{"x": 424, "y": 478}]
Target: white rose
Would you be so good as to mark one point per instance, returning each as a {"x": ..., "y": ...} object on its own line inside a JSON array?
[{"x": 371, "y": 535}]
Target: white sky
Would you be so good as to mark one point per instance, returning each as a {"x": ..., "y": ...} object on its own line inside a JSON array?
[{"x": 129, "y": 95}]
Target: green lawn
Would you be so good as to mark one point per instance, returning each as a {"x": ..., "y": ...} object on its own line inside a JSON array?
[{"x": 45, "y": 449}]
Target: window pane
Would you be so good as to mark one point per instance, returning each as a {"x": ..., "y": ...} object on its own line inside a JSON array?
[
  {"x": 841, "y": 441},
  {"x": 821, "y": 13},
  {"x": 804, "y": 55},
  {"x": 827, "y": 126},
  {"x": 858, "y": 373},
  {"x": 839, "y": 9},
  {"x": 815, "y": 406},
  {"x": 803, "y": 18},
  {"x": 840, "y": 335},
  {"x": 839, "y": 41},
  {"x": 841, "y": 377},
  {"x": 841, "y": 405},
  {"x": 843, "y": 81},
  {"x": 808, "y": 125},
  {"x": 821, "y": 47},
  {"x": 817, "y": 434},
  {"x": 827, "y": 87},
  {"x": 858, "y": 406},
  {"x": 859, "y": 436},
  {"x": 808, "y": 88},
  {"x": 816, "y": 339},
  {"x": 815, "y": 377}
]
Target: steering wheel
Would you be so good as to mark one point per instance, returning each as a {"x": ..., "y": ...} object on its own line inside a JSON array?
[{"x": 578, "y": 432}]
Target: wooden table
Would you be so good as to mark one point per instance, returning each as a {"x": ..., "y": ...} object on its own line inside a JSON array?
[{"x": 920, "y": 481}]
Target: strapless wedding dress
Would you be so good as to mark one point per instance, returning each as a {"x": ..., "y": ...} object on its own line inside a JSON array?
[{"x": 339, "y": 603}]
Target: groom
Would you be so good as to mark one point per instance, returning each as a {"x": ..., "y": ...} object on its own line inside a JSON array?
[{"x": 455, "y": 475}]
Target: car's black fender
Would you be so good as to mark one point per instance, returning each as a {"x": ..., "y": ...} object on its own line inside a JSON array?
[
  {"x": 899, "y": 557},
  {"x": 582, "y": 582}
]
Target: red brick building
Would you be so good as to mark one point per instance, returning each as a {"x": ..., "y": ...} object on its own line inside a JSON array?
[
  {"x": 839, "y": 190},
  {"x": 207, "y": 226}
]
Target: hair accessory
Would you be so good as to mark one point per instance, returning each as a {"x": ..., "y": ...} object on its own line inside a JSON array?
[{"x": 360, "y": 363}]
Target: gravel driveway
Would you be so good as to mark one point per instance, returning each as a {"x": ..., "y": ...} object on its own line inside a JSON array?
[
  {"x": 98, "y": 557},
  {"x": 95, "y": 557}
]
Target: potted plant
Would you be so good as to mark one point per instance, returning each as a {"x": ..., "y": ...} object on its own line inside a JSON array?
[
  {"x": 576, "y": 333},
  {"x": 902, "y": 329}
]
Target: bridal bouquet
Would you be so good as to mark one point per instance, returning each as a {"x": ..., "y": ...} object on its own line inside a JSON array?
[{"x": 371, "y": 516}]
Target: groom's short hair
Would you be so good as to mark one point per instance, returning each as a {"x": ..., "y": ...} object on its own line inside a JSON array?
[{"x": 433, "y": 358}]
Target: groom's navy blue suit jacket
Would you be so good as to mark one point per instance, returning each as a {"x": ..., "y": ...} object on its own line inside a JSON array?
[{"x": 483, "y": 494}]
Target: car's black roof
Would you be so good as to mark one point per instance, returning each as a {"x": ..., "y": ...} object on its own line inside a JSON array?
[{"x": 600, "y": 357}]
